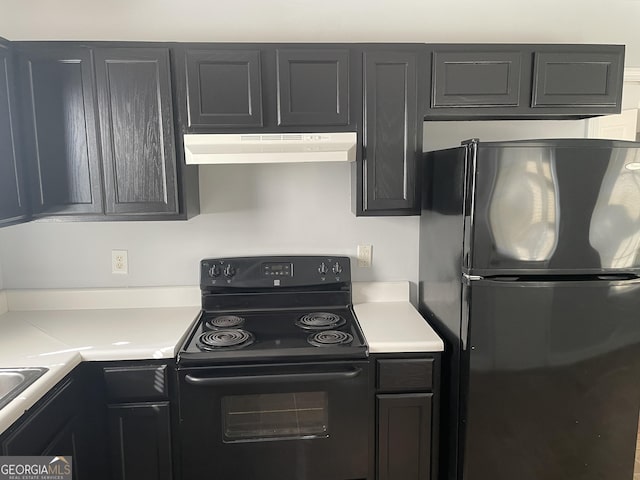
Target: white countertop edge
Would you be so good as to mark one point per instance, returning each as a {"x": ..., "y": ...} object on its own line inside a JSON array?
[
  {"x": 367, "y": 292},
  {"x": 60, "y": 368},
  {"x": 433, "y": 346},
  {"x": 378, "y": 302},
  {"x": 102, "y": 298},
  {"x": 4, "y": 308},
  {"x": 11, "y": 412},
  {"x": 395, "y": 327}
]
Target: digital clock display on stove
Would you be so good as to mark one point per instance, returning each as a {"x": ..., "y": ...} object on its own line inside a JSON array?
[{"x": 277, "y": 269}]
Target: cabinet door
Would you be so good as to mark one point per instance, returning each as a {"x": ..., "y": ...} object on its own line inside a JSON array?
[
  {"x": 136, "y": 120},
  {"x": 13, "y": 206},
  {"x": 313, "y": 87},
  {"x": 224, "y": 88},
  {"x": 43, "y": 425},
  {"x": 61, "y": 142},
  {"x": 578, "y": 79},
  {"x": 404, "y": 436},
  {"x": 140, "y": 441},
  {"x": 68, "y": 442},
  {"x": 475, "y": 79},
  {"x": 392, "y": 133}
]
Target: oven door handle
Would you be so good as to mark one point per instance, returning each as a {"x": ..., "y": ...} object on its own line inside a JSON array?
[{"x": 278, "y": 378}]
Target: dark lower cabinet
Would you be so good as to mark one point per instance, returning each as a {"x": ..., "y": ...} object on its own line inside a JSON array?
[
  {"x": 40, "y": 431},
  {"x": 140, "y": 438},
  {"x": 66, "y": 422},
  {"x": 407, "y": 410},
  {"x": 392, "y": 141},
  {"x": 139, "y": 419},
  {"x": 13, "y": 201},
  {"x": 404, "y": 436}
]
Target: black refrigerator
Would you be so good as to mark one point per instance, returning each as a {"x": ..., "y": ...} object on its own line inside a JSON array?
[{"x": 530, "y": 270}]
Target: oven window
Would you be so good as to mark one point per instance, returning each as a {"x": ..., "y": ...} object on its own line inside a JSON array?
[{"x": 275, "y": 415}]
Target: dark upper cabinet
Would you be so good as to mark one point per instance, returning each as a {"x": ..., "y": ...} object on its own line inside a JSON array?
[
  {"x": 65, "y": 422},
  {"x": 475, "y": 82},
  {"x": 223, "y": 88},
  {"x": 470, "y": 79},
  {"x": 313, "y": 87},
  {"x": 136, "y": 125},
  {"x": 577, "y": 79},
  {"x": 265, "y": 87},
  {"x": 99, "y": 133},
  {"x": 60, "y": 134},
  {"x": 392, "y": 137},
  {"x": 13, "y": 201}
]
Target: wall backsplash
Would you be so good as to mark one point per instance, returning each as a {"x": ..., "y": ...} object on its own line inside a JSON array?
[{"x": 246, "y": 210}]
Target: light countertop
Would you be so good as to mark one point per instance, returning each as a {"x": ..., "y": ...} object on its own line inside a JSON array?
[
  {"x": 396, "y": 327},
  {"x": 59, "y": 329}
]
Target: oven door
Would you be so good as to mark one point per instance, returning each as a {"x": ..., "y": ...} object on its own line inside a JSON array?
[{"x": 275, "y": 422}]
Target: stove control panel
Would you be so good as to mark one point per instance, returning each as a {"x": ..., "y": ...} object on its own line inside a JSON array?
[{"x": 274, "y": 271}]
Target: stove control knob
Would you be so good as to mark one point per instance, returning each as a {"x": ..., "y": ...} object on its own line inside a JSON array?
[
  {"x": 322, "y": 269},
  {"x": 229, "y": 271},
  {"x": 337, "y": 268},
  {"x": 214, "y": 271}
]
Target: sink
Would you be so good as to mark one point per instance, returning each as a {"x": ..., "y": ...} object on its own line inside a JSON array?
[{"x": 13, "y": 381}]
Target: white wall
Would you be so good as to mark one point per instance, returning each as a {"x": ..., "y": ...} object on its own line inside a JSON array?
[
  {"x": 280, "y": 208},
  {"x": 566, "y": 21},
  {"x": 246, "y": 210},
  {"x": 439, "y": 135},
  {"x": 631, "y": 97}
]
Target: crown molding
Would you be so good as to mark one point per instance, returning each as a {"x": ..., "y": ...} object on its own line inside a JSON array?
[{"x": 632, "y": 74}]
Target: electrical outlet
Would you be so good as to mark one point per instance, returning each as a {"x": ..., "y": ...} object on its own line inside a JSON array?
[
  {"x": 364, "y": 254},
  {"x": 119, "y": 262}
]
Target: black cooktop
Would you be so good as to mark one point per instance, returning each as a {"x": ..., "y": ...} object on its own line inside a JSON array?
[
  {"x": 274, "y": 335},
  {"x": 274, "y": 309}
]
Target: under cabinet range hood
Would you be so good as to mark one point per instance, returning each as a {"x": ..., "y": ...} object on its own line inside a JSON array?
[{"x": 212, "y": 149}]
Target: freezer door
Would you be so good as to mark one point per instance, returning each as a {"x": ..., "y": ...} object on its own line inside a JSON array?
[
  {"x": 553, "y": 384},
  {"x": 559, "y": 206}
]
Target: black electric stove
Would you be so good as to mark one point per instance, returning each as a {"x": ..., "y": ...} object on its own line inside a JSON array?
[{"x": 274, "y": 309}]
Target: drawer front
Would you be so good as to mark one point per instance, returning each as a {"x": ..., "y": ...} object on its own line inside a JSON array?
[
  {"x": 125, "y": 384},
  {"x": 405, "y": 375}
]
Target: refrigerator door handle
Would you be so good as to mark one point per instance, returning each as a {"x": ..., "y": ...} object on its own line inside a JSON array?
[{"x": 467, "y": 279}]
